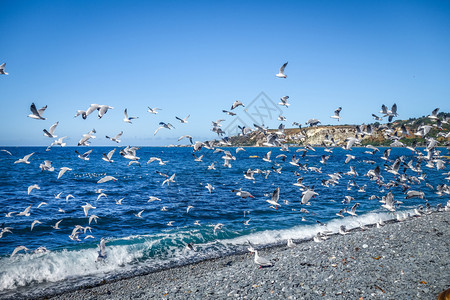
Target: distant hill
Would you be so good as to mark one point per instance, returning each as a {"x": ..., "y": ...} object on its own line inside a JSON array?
[{"x": 382, "y": 134}]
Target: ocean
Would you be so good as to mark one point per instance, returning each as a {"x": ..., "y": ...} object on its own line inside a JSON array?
[{"x": 158, "y": 239}]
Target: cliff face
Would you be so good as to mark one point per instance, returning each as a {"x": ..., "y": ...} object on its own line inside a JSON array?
[{"x": 311, "y": 135}]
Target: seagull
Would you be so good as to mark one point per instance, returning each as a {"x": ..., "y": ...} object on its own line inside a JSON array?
[
  {"x": 119, "y": 202},
  {"x": 336, "y": 114},
  {"x": 69, "y": 196},
  {"x": 51, "y": 131},
  {"x": 102, "y": 250},
  {"x": 86, "y": 208},
  {"x": 243, "y": 194},
  {"x": 290, "y": 243},
  {"x": 153, "y": 110},
  {"x": 139, "y": 214},
  {"x": 6, "y": 151},
  {"x": 56, "y": 226},
  {"x": 153, "y": 198},
  {"x": 229, "y": 112},
  {"x": 93, "y": 217},
  {"x": 434, "y": 114},
  {"x": 84, "y": 156},
  {"x": 116, "y": 138},
  {"x": 187, "y": 137},
  {"x": 24, "y": 159},
  {"x": 102, "y": 195},
  {"x": 189, "y": 208},
  {"x": 275, "y": 198},
  {"x": 218, "y": 226},
  {"x": 209, "y": 187},
  {"x": 26, "y": 212},
  {"x": 103, "y": 109},
  {"x": 19, "y": 248},
  {"x": 128, "y": 119},
  {"x": 353, "y": 210},
  {"x": 284, "y": 101},
  {"x": 183, "y": 120},
  {"x": 377, "y": 118},
  {"x": 9, "y": 214},
  {"x": 169, "y": 180},
  {"x": 236, "y": 104},
  {"x": 47, "y": 166},
  {"x": 261, "y": 261},
  {"x": 2, "y": 69},
  {"x": 84, "y": 141},
  {"x": 34, "y": 223},
  {"x": 32, "y": 187},
  {"x": 42, "y": 203},
  {"x": 281, "y": 74},
  {"x": 307, "y": 195},
  {"x": 107, "y": 157},
  {"x": 163, "y": 125},
  {"x": 106, "y": 179},
  {"x": 37, "y": 114},
  {"x": 170, "y": 223},
  {"x": 62, "y": 171},
  {"x": 267, "y": 156}
]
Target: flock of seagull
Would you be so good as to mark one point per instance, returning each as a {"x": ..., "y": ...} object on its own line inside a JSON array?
[{"x": 431, "y": 157}]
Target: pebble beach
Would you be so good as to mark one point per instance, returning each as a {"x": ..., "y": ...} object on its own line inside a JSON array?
[{"x": 401, "y": 260}]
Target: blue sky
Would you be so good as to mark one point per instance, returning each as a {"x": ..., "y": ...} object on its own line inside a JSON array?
[{"x": 198, "y": 58}]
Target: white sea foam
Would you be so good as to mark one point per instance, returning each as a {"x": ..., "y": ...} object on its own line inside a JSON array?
[{"x": 24, "y": 269}]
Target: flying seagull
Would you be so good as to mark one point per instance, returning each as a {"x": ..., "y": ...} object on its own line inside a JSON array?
[
  {"x": 24, "y": 159},
  {"x": 281, "y": 74},
  {"x": 37, "y": 114},
  {"x": 128, "y": 119},
  {"x": 153, "y": 110},
  {"x": 2, "y": 69},
  {"x": 51, "y": 131},
  {"x": 183, "y": 120},
  {"x": 116, "y": 138},
  {"x": 236, "y": 104},
  {"x": 336, "y": 114}
]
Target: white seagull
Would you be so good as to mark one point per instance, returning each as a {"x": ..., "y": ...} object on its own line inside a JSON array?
[
  {"x": 281, "y": 74},
  {"x": 24, "y": 159},
  {"x": 183, "y": 120},
  {"x": 37, "y": 114},
  {"x": 2, "y": 69},
  {"x": 106, "y": 179},
  {"x": 116, "y": 138},
  {"x": 107, "y": 157},
  {"x": 62, "y": 171},
  {"x": 33, "y": 187},
  {"x": 51, "y": 131},
  {"x": 128, "y": 119}
]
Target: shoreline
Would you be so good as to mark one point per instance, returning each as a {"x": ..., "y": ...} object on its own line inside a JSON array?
[{"x": 401, "y": 260}]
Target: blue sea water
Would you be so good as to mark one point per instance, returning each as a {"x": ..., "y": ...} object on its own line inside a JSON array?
[{"x": 138, "y": 245}]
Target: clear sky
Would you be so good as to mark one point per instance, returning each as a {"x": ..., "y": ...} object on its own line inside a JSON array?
[{"x": 198, "y": 57}]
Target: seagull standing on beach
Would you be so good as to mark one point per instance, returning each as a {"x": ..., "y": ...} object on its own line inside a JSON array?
[
  {"x": 281, "y": 74},
  {"x": 261, "y": 261}
]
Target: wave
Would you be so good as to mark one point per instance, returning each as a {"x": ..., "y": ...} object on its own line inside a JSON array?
[{"x": 139, "y": 254}]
